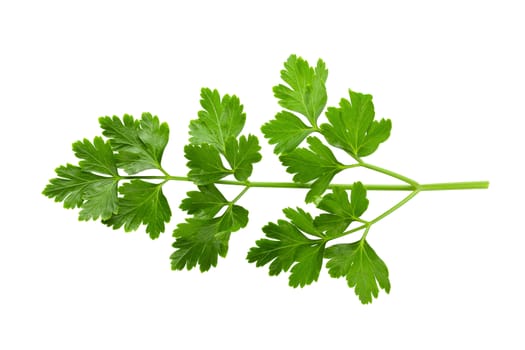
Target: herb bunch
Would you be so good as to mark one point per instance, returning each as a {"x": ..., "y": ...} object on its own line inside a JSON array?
[{"x": 109, "y": 184}]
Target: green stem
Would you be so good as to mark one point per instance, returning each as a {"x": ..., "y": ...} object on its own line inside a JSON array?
[
  {"x": 395, "y": 207},
  {"x": 244, "y": 190},
  {"x": 479, "y": 185},
  {"x": 164, "y": 171},
  {"x": 369, "y": 224},
  {"x": 411, "y": 185},
  {"x": 363, "y": 238},
  {"x": 469, "y": 185},
  {"x": 403, "y": 178}
]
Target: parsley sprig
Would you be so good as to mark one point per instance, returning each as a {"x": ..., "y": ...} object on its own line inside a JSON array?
[{"x": 109, "y": 183}]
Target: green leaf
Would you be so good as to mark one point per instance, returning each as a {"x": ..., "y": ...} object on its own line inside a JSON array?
[
  {"x": 361, "y": 267},
  {"x": 317, "y": 164},
  {"x": 286, "y": 246},
  {"x": 140, "y": 143},
  {"x": 95, "y": 157},
  {"x": 241, "y": 155},
  {"x": 219, "y": 120},
  {"x": 341, "y": 211},
  {"x": 306, "y": 91},
  {"x": 303, "y": 221},
  {"x": 286, "y": 132},
  {"x": 205, "y": 203},
  {"x": 78, "y": 186},
  {"x": 205, "y": 164},
  {"x": 100, "y": 200},
  {"x": 309, "y": 263},
  {"x": 142, "y": 203},
  {"x": 154, "y": 136},
  {"x": 233, "y": 219},
  {"x": 200, "y": 241},
  {"x": 70, "y": 185},
  {"x": 352, "y": 126}
]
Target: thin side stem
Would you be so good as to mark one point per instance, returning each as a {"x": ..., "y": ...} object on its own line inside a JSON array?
[
  {"x": 390, "y": 173},
  {"x": 395, "y": 207},
  {"x": 369, "y": 224},
  {"x": 411, "y": 185},
  {"x": 164, "y": 171},
  {"x": 363, "y": 238},
  {"x": 244, "y": 190}
]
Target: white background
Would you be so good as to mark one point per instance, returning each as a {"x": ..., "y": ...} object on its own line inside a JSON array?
[{"x": 450, "y": 75}]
